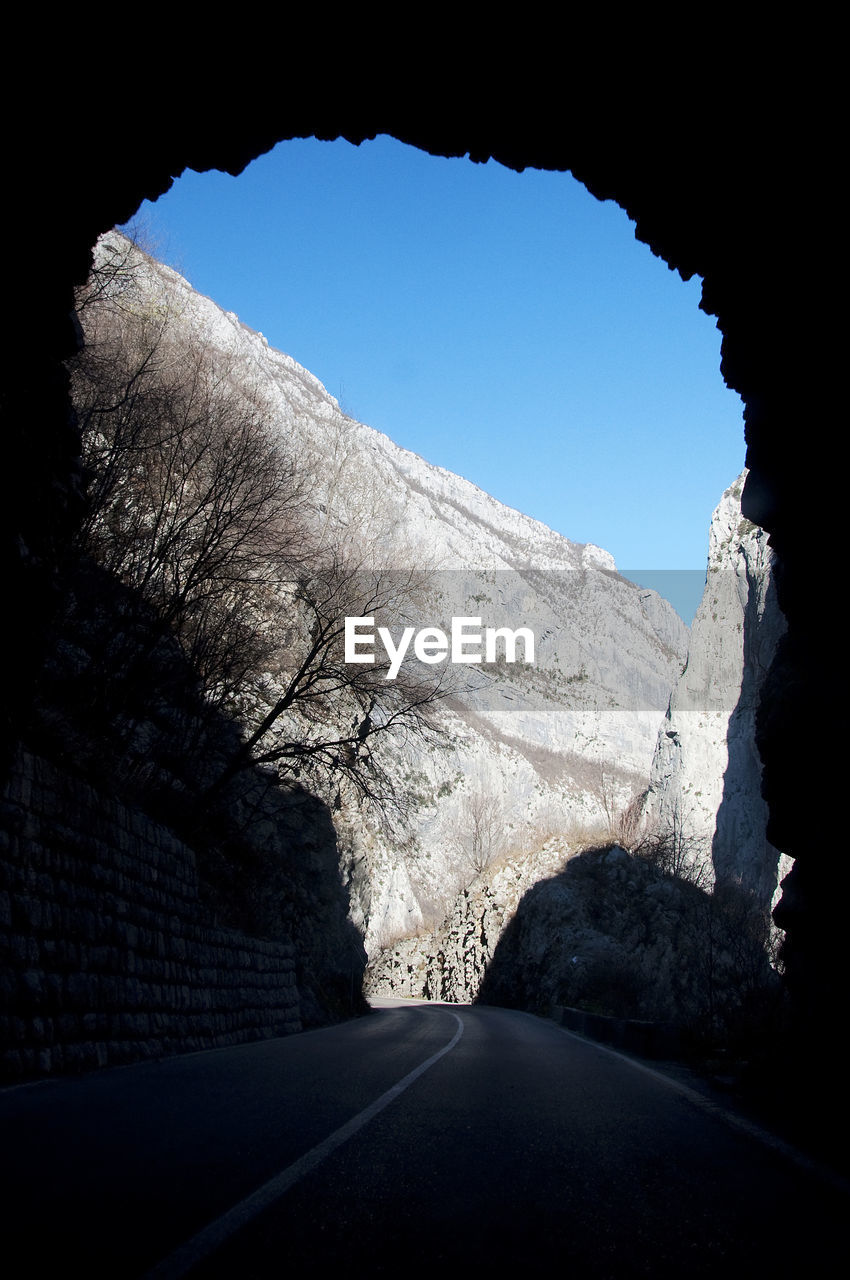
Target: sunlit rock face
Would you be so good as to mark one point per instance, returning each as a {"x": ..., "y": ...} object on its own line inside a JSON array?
[
  {"x": 705, "y": 785},
  {"x": 603, "y": 930},
  {"x": 704, "y": 796},
  {"x": 525, "y": 748},
  {"x": 450, "y": 961}
]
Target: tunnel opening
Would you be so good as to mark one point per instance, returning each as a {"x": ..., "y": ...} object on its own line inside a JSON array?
[
  {"x": 720, "y": 210},
  {"x": 225, "y": 235}
]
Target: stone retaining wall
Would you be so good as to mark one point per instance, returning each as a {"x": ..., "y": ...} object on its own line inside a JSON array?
[{"x": 106, "y": 954}]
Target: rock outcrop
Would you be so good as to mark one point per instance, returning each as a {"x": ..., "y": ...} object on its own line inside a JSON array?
[
  {"x": 616, "y": 935},
  {"x": 603, "y": 930},
  {"x": 704, "y": 800},
  {"x": 449, "y": 962},
  {"x": 705, "y": 784}
]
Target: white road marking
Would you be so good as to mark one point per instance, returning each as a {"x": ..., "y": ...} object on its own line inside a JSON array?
[{"x": 200, "y": 1246}]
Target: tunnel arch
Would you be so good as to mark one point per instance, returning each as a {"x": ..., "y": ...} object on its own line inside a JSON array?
[{"x": 709, "y": 194}]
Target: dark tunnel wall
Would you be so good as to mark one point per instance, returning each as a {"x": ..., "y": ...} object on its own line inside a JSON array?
[{"x": 701, "y": 156}]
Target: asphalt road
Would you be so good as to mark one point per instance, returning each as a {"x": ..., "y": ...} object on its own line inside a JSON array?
[{"x": 422, "y": 1139}]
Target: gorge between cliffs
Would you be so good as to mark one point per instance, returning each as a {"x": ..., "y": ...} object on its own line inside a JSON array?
[{"x": 583, "y": 830}]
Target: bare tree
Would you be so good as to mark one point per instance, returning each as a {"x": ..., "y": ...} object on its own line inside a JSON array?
[
  {"x": 318, "y": 716},
  {"x": 606, "y": 793},
  {"x": 194, "y": 504},
  {"x": 630, "y": 821},
  {"x": 190, "y": 499},
  {"x": 481, "y": 827},
  {"x": 677, "y": 849}
]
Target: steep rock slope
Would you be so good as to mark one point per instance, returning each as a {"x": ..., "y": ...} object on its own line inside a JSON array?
[
  {"x": 616, "y": 935},
  {"x": 705, "y": 784},
  {"x": 704, "y": 800},
  {"x": 601, "y": 929},
  {"x": 449, "y": 961},
  {"x": 570, "y": 737}
]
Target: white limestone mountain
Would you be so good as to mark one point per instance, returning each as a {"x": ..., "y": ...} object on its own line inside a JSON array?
[{"x": 526, "y": 749}]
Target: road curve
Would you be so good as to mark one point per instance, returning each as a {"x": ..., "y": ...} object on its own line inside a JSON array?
[{"x": 422, "y": 1137}]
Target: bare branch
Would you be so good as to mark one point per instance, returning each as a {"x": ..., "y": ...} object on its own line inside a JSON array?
[{"x": 195, "y": 505}]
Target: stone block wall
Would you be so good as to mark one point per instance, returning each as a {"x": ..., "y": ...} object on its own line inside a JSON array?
[{"x": 107, "y": 955}]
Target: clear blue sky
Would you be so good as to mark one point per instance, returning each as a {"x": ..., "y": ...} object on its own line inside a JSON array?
[{"x": 506, "y": 326}]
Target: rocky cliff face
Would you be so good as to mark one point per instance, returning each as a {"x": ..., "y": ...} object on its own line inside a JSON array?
[
  {"x": 705, "y": 784},
  {"x": 523, "y": 748},
  {"x": 449, "y": 961},
  {"x": 704, "y": 798},
  {"x": 616, "y": 935},
  {"x": 604, "y": 930}
]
